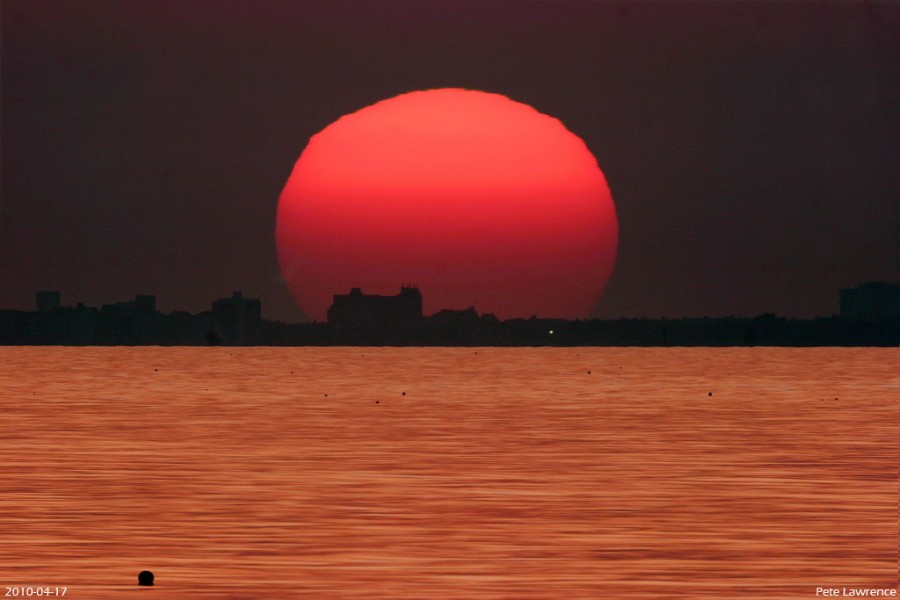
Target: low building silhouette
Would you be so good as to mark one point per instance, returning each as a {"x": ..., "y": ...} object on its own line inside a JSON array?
[
  {"x": 235, "y": 321},
  {"x": 142, "y": 304},
  {"x": 464, "y": 327},
  {"x": 131, "y": 322},
  {"x": 358, "y": 311}
]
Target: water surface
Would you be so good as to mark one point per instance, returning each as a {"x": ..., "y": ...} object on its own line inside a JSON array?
[{"x": 449, "y": 473}]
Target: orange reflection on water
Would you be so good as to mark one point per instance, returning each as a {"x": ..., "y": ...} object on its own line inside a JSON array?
[{"x": 501, "y": 473}]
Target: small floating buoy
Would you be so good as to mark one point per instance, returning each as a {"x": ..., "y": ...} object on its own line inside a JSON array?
[
  {"x": 404, "y": 393},
  {"x": 709, "y": 394},
  {"x": 145, "y": 578},
  {"x": 378, "y": 402}
]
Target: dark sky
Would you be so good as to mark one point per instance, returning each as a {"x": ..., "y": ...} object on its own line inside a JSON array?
[{"x": 752, "y": 149}]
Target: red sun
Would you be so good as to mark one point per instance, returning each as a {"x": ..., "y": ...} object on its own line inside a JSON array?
[{"x": 479, "y": 200}]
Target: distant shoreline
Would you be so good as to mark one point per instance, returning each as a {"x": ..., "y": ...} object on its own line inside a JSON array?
[{"x": 90, "y": 327}]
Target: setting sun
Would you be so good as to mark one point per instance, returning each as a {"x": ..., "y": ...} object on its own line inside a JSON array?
[{"x": 480, "y": 200}]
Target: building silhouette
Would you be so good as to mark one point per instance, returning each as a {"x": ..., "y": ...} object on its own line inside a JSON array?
[
  {"x": 235, "y": 321},
  {"x": 130, "y": 322},
  {"x": 232, "y": 321},
  {"x": 368, "y": 311}
]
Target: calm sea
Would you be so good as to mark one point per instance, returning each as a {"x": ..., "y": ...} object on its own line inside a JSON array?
[{"x": 449, "y": 473}]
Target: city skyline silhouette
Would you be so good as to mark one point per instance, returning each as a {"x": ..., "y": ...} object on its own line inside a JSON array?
[{"x": 869, "y": 315}]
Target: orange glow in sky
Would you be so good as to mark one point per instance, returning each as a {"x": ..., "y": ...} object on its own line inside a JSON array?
[{"x": 479, "y": 200}]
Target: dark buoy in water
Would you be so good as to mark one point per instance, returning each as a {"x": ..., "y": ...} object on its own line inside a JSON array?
[
  {"x": 589, "y": 372},
  {"x": 709, "y": 394},
  {"x": 404, "y": 393},
  {"x": 145, "y": 578},
  {"x": 378, "y": 402}
]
